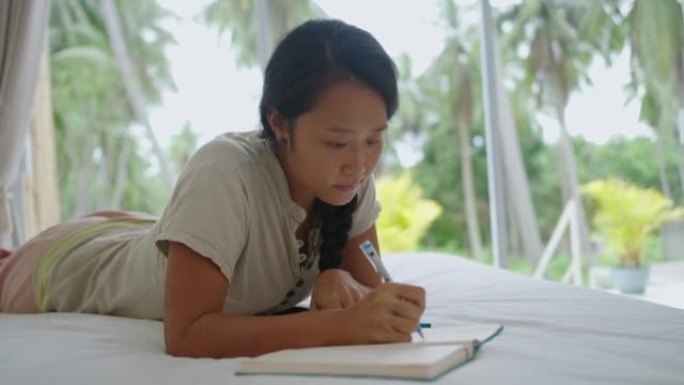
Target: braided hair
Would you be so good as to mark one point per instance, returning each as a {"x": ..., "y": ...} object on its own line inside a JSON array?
[
  {"x": 308, "y": 60},
  {"x": 335, "y": 224}
]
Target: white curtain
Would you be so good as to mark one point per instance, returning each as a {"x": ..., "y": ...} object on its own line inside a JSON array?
[{"x": 23, "y": 25}]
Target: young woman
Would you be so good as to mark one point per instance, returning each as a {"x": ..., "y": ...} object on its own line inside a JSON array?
[{"x": 256, "y": 223}]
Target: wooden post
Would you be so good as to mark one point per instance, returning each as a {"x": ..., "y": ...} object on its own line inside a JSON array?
[{"x": 41, "y": 188}]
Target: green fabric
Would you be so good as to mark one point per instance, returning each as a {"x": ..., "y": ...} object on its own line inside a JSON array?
[{"x": 43, "y": 272}]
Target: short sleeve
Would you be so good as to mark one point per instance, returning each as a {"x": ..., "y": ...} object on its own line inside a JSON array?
[
  {"x": 367, "y": 209},
  {"x": 208, "y": 210}
]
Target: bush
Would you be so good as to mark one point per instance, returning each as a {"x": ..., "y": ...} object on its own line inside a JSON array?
[
  {"x": 626, "y": 216},
  {"x": 406, "y": 215}
]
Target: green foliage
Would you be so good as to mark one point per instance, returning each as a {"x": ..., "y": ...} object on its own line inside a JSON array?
[
  {"x": 634, "y": 160},
  {"x": 545, "y": 50},
  {"x": 554, "y": 62},
  {"x": 655, "y": 65},
  {"x": 557, "y": 268},
  {"x": 450, "y": 87},
  {"x": 451, "y": 90},
  {"x": 405, "y": 215},
  {"x": 101, "y": 163},
  {"x": 600, "y": 25},
  {"x": 439, "y": 175},
  {"x": 237, "y": 17},
  {"x": 520, "y": 265},
  {"x": 183, "y": 145},
  {"x": 656, "y": 39},
  {"x": 626, "y": 215}
]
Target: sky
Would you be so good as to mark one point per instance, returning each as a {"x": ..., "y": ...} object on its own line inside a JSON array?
[{"x": 216, "y": 97}]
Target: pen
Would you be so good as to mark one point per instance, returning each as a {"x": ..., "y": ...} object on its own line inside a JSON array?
[{"x": 369, "y": 251}]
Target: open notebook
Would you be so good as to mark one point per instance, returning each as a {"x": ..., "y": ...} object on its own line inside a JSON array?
[{"x": 443, "y": 349}]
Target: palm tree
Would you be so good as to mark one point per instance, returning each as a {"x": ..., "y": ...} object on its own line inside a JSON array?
[
  {"x": 79, "y": 56},
  {"x": 460, "y": 65},
  {"x": 255, "y": 25},
  {"x": 405, "y": 126},
  {"x": 548, "y": 33},
  {"x": 129, "y": 74},
  {"x": 92, "y": 109},
  {"x": 656, "y": 39}
]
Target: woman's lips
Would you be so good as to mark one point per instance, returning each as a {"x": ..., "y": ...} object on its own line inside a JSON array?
[{"x": 347, "y": 187}]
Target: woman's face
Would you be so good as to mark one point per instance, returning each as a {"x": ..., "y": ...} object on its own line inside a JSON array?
[{"x": 335, "y": 146}]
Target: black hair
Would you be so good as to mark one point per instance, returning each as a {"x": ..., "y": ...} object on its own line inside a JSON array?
[{"x": 308, "y": 60}]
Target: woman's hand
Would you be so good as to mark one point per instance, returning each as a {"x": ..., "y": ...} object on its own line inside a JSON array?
[
  {"x": 336, "y": 289},
  {"x": 390, "y": 313}
]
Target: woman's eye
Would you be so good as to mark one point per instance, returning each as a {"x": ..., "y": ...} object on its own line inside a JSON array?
[
  {"x": 336, "y": 145},
  {"x": 374, "y": 142}
]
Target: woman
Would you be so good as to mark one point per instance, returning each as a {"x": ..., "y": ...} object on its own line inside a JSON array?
[{"x": 256, "y": 223}]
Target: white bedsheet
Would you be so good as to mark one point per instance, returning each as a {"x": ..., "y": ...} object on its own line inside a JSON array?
[{"x": 554, "y": 334}]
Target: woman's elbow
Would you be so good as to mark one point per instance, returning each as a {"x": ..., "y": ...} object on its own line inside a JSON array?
[
  {"x": 179, "y": 344},
  {"x": 175, "y": 344},
  {"x": 185, "y": 344}
]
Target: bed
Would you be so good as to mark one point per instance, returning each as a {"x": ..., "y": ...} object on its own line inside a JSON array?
[{"x": 554, "y": 334}]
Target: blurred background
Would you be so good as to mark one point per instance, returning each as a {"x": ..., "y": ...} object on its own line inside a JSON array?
[{"x": 588, "y": 92}]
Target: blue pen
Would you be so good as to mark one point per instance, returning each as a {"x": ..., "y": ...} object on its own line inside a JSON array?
[{"x": 369, "y": 251}]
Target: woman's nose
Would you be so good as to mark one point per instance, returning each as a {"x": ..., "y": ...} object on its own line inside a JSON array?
[{"x": 355, "y": 164}]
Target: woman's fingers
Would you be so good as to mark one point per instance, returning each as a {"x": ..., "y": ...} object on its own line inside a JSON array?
[
  {"x": 353, "y": 295},
  {"x": 405, "y": 325},
  {"x": 390, "y": 313},
  {"x": 329, "y": 302},
  {"x": 341, "y": 300},
  {"x": 336, "y": 288},
  {"x": 407, "y": 307},
  {"x": 410, "y": 293},
  {"x": 404, "y": 299}
]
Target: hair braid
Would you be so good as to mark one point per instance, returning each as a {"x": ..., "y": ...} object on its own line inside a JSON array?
[{"x": 336, "y": 222}]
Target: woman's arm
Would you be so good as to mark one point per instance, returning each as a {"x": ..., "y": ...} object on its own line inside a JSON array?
[
  {"x": 356, "y": 277},
  {"x": 194, "y": 325}
]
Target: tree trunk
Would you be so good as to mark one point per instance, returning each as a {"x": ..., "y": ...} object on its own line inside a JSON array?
[
  {"x": 104, "y": 172},
  {"x": 516, "y": 182},
  {"x": 511, "y": 173},
  {"x": 473, "y": 224},
  {"x": 121, "y": 176},
  {"x": 679, "y": 118},
  {"x": 130, "y": 82},
  {"x": 84, "y": 176},
  {"x": 264, "y": 32},
  {"x": 572, "y": 180},
  {"x": 659, "y": 148},
  {"x": 680, "y": 165}
]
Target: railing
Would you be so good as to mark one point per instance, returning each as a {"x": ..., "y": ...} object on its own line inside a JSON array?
[{"x": 568, "y": 219}]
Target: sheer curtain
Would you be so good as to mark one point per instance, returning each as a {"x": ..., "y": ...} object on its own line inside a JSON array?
[{"x": 23, "y": 25}]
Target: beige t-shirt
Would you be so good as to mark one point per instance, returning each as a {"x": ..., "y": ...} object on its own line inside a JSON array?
[{"x": 232, "y": 205}]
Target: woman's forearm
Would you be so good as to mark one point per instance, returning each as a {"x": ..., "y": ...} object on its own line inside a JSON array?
[
  {"x": 356, "y": 263},
  {"x": 219, "y": 336}
]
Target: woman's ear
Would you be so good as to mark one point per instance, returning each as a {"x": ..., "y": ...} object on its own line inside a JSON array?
[{"x": 278, "y": 125}]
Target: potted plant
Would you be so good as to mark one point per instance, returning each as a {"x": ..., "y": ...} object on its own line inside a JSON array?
[{"x": 626, "y": 215}]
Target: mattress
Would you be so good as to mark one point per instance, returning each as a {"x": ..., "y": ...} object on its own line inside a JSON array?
[{"x": 553, "y": 334}]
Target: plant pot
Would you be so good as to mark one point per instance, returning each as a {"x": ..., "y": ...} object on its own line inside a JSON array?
[{"x": 630, "y": 280}]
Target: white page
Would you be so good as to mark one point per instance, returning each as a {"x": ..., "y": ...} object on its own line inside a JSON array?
[
  {"x": 404, "y": 360},
  {"x": 383, "y": 354}
]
